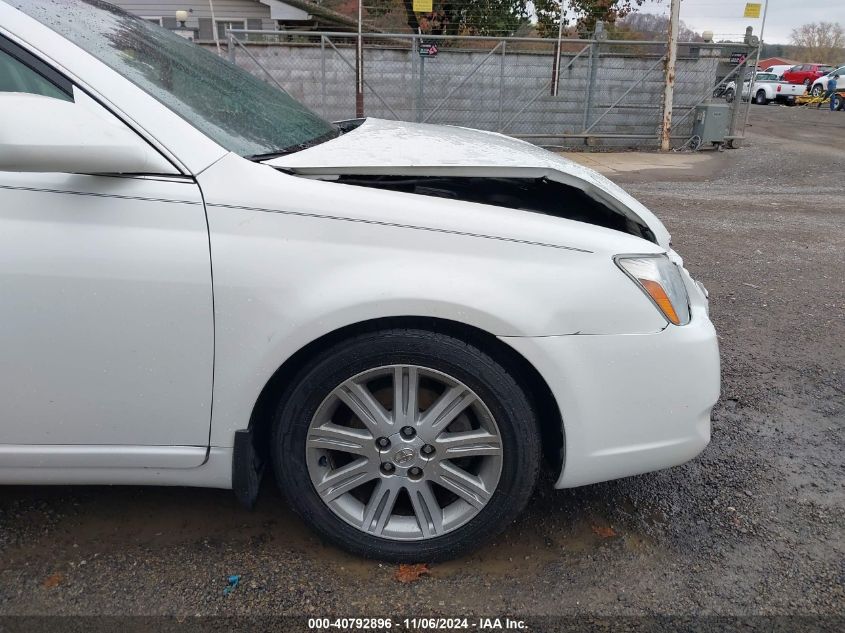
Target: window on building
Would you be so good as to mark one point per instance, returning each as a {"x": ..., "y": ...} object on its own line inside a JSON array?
[{"x": 225, "y": 25}]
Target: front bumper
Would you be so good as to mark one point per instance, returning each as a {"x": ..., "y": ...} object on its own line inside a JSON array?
[{"x": 630, "y": 403}]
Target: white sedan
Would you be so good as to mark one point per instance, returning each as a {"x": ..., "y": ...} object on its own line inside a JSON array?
[
  {"x": 819, "y": 86},
  {"x": 200, "y": 277}
]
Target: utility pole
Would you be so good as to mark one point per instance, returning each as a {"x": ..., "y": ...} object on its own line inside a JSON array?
[
  {"x": 756, "y": 62},
  {"x": 359, "y": 66},
  {"x": 736, "y": 114},
  {"x": 556, "y": 60},
  {"x": 669, "y": 88}
]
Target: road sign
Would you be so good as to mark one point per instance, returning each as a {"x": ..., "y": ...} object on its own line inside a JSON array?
[
  {"x": 737, "y": 58},
  {"x": 752, "y": 10},
  {"x": 423, "y": 6},
  {"x": 428, "y": 49}
]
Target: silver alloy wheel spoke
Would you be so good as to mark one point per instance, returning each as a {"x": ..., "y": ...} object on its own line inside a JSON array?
[
  {"x": 442, "y": 413},
  {"x": 362, "y": 403},
  {"x": 380, "y": 506},
  {"x": 405, "y": 388},
  {"x": 395, "y": 483},
  {"x": 467, "y": 444},
  {"x": 344, "y": 479},
  {"x": 427, "y": 510},
  {"x": 334, "y": 437},
  {"x": 467, "y": 486}
]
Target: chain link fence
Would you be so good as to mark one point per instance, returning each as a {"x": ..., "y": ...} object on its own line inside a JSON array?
[{"x": 561, "y": 93}]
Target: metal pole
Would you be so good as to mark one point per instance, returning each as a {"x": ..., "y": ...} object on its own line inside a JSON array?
[
  {"x": 669, "y": 88},
  {"x": 595, "y": 58},
  {"x": 756, "y": 64},
  {"x": 214, "y": 26},
  {"x": 415, "y": 66},
  {"x": 359, "y": 66},
  {"x": 421, "y": 91},
  {"x": 740, "y": 88},
  {"x": 502, "y": 84},
  {"x": 323, "y": 73},
  {"x": 556, "y": 60}
]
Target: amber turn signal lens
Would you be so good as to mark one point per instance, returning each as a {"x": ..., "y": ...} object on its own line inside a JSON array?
[
  {"x": 661, "y": 281},
  {"x": 656, "y": 292}
]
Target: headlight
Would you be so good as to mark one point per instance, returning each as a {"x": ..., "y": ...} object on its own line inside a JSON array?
[{"x": 661, "y": 281}]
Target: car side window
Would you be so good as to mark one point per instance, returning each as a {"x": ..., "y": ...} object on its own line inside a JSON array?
[{"x": 18, "y": 76}]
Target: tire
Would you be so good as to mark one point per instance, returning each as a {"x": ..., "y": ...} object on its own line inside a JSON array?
[
  {"x": 807, "y": 82},
  {"x": 729, "y": 96},
  {"x": 760, "y": 98},
  {"x": 838, "y": 102},
  {"x": 817, "y": 90},
  {"x": 315, "y": 405}
]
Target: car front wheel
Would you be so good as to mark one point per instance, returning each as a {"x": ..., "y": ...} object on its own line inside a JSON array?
[
  {"x": 406, "y": 445},
  {"x": 817, "y": 90}
]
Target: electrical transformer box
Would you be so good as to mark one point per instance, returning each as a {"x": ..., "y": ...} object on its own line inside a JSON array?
[{"x": 712, "y": 121}]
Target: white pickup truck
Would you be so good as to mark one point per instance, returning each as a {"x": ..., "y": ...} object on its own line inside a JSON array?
[{"x": 766, "y": 87}]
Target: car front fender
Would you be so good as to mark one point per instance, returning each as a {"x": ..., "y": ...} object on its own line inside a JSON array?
[{"x": 286, "y": 274}]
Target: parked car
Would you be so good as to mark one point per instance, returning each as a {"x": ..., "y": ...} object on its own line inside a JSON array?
[
  {"x": 806, "y": 74},
  {"x": 201, "y": 276},
  {"x": 765, "y": 89},
  {"x": 779, "y": 69},
  {"x": 820, "y": 85}
]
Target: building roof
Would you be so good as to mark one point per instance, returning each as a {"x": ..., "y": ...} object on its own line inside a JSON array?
[{"x": 777, "y": 61}]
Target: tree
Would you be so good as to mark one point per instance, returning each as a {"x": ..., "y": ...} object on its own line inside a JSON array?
[
  {"x": 588, "y": 12},
  {"x": 449, "y": 17},
  {"x": 649, "y": 26},
  {"x": 820, "y": 41}
]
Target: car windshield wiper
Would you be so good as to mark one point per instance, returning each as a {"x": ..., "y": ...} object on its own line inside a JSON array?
[{"x": 294, "y": 148}]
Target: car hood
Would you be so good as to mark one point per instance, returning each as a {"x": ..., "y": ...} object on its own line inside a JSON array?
[{"x": 397, "y": 148}]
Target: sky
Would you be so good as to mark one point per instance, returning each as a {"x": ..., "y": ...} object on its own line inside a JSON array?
[{"x": 724, "y": 17}]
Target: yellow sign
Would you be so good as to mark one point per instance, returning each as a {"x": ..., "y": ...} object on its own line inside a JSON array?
[
  {"x": 423, "y": 6},
  {"x": 752, "y": 9}
]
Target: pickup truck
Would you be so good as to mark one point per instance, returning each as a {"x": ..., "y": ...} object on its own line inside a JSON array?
[{"x": 766, "y": 87}]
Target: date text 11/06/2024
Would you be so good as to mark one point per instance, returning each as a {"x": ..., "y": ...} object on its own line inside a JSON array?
[{"x": 442, "y": 624}]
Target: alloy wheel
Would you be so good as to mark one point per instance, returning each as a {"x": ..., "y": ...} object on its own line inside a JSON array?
[{"x": 404, "y": 452}]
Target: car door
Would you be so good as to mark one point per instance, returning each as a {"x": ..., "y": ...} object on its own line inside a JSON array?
[
  {"x": 805, "y": 73},
  {"x": 106, "y": 318},
  {"x": 792, "y": 75}
]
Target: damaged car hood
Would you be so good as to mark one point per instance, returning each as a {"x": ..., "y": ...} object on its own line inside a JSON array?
[{"x": 398, "y": 148}]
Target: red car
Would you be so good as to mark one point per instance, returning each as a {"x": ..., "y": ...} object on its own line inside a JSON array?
[{"x": 806, "y": 73}]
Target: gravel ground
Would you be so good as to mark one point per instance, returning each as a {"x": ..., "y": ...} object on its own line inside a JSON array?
[{"x": 752, "y": 526}]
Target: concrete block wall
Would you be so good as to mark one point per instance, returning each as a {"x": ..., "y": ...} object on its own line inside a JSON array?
[{"x": 474, "y": 89}]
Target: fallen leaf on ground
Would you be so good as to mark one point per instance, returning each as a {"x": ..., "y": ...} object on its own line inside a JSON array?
[
  {"x": 411, "y": 573},
  {"x": 53, "y": 580},
  {"x": 604, "y": 532}
]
